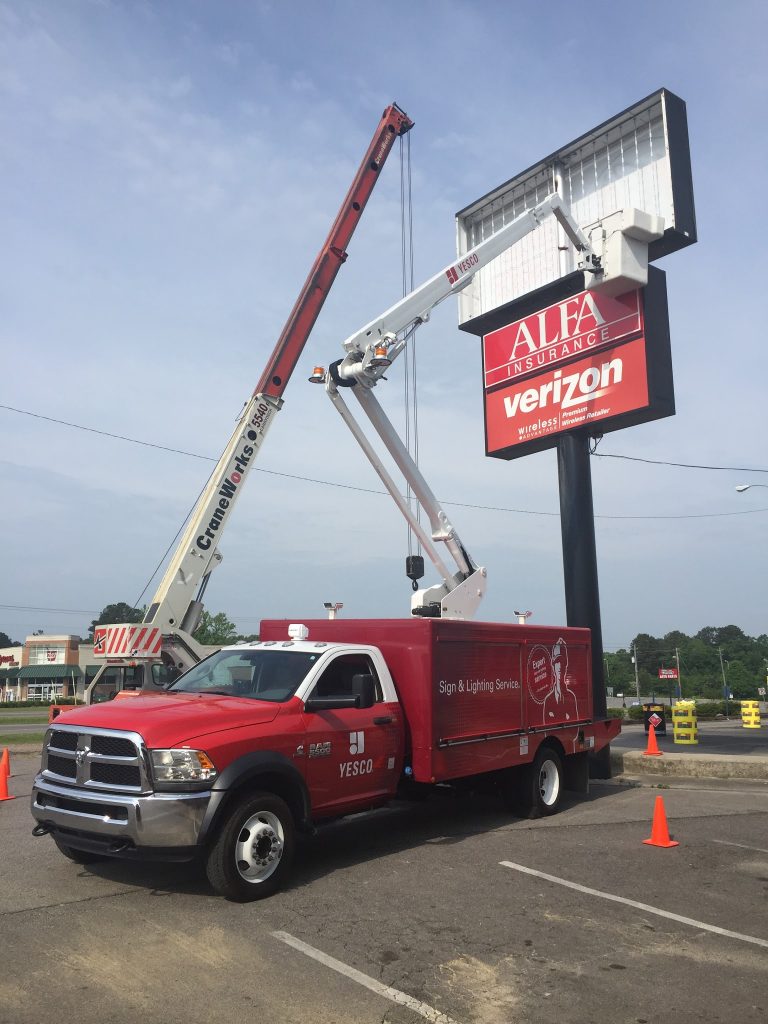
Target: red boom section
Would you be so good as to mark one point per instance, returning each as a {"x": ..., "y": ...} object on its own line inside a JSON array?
[{"x": 394, "y": 122}]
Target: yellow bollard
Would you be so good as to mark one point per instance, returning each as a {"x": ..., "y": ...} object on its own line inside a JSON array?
[
  {"x": 684, "y": 722},
  {"x": 750, "y": 714}
]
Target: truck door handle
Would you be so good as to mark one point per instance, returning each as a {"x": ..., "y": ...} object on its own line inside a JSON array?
[{"x": 382, "y": 720}]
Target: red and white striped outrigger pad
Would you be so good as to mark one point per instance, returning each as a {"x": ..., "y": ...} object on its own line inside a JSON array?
[{"x": 127, "y": 640}]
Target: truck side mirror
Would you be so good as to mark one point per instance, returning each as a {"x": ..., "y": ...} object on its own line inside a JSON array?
[{"x": 364, "y": 690}]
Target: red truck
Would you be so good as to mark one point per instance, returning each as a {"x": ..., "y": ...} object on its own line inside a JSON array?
[{"x": 315, "y": 721}]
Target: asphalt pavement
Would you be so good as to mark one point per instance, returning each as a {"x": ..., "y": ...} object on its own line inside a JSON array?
[
  {"x": 715, "y": 737},
  {"x": 449, "y": 910}
]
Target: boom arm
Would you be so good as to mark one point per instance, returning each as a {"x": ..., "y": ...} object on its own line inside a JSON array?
[
  {"x": 371, "y": 350},
  {"x": 176, "y": 607}
]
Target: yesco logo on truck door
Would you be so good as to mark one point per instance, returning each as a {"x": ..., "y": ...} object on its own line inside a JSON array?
[{"x": 356, "y": 746}]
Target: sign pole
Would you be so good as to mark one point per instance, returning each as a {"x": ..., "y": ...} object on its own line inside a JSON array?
[{"x": 577, "y": 527}]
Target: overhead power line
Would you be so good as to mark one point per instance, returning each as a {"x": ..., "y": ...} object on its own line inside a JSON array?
[
  {"x": 369, "y": 490},
  {"x": 682, "y": 465}
]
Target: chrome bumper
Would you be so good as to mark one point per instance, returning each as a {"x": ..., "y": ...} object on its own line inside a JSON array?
[{"x": 159, "y": 819}]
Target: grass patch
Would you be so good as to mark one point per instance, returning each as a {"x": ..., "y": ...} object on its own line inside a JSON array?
[
  {"x": 15, "y": 739},
  {"x": 22, "y": 720}
]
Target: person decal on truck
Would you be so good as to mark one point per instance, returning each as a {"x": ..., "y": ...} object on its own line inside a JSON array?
[{"x": 560, "y": 704}]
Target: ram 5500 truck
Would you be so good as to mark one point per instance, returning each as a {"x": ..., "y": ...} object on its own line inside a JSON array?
[{"x": 315, "y": 721}]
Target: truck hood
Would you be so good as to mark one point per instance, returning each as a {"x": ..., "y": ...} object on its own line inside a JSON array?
[{"x": 167, "y": 720}]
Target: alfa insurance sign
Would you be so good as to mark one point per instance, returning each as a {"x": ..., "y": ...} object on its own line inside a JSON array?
[{"x": 587, "y": 362}]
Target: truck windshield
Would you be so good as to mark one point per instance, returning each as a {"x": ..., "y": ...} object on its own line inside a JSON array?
[{"x": 272, "y": 675}]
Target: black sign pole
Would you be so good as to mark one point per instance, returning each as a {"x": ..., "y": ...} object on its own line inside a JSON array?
[{"x": 582, "y": 596}]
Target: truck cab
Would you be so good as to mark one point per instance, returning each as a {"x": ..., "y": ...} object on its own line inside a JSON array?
[{"x": 255, "y": 742}]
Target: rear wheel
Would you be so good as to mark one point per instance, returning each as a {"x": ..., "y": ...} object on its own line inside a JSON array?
[
  {"x": 252, "y": 852},
  {"x": 546, "y": 783},
  {"x": 535, "y": 790},
  {"x": 78, "y": 856}
]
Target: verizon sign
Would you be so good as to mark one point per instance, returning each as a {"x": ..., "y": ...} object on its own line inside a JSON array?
[{"x": 586, "y": 362}]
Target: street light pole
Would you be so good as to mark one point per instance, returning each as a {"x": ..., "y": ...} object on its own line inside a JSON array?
[
  {"x": 745, "y": 487},
  {"x": 725, "y": 684}
]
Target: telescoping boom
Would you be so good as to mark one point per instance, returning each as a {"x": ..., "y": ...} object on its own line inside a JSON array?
[
  {"x": 176, "y": 609},
  {"x": 372, "y": 349}
]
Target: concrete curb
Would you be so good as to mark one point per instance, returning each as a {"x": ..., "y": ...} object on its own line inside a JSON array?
[{"x": 712, "y": 766}]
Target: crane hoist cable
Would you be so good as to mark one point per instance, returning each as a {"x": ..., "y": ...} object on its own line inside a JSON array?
[{"x": 410, "y": 375}]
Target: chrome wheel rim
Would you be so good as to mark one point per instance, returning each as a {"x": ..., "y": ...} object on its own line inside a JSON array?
[
  {"x": 549, "y": 783},
  {"x": 259, "y": 847}
]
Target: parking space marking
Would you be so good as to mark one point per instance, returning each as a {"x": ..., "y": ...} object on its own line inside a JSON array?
[
  {"x": 701, "y": 925},
  {"x": 394, "y": 995},
  {"x": 741, "y": 846}
]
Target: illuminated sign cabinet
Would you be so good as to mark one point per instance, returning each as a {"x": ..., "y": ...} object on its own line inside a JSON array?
[
  {"x": 574, "y": 359},
  {"x": 558, "y": 359}
]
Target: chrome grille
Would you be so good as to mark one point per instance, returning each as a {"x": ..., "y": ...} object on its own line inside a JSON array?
[
  {"x": 96, "y": 759},
  {"x": 63, "y": 740},
  {"x": 116, "y": 774},
  {"x": 112, "y": 746},
  {"x": 62, "y": 766}
]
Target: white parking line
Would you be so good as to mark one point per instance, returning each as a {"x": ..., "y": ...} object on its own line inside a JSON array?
[
  {"x": 423, "y": 1009},
  {"x": 638, "y": 906},
  {"x": 741, "y": 846}
]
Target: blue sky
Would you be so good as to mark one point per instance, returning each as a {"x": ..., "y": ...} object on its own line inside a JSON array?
[{"x": 169, "y": 172}]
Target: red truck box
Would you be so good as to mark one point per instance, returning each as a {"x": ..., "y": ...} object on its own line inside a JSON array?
[{"x": 473, "y": 692}]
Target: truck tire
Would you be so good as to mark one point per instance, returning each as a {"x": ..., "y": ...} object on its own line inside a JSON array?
[
  {"x": 252, "y": 852},
  {"x": 546, "y": 783},
  {"x": 78, "y": 856}
]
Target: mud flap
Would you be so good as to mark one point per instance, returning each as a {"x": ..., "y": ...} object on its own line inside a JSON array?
[
  {"x": 600, "y": 763},
  {"x": 576, "y": 772}
]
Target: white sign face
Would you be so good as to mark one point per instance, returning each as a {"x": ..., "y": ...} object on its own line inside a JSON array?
[
  {"x": 639, "y": 159},
  {"x": 50, "y": 654}
]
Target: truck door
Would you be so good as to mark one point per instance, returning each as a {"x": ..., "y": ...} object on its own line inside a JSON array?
[{"x": 353, "y": 755}]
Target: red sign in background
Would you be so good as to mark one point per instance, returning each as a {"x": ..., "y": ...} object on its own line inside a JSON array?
[{"x": 609, "y": 382}]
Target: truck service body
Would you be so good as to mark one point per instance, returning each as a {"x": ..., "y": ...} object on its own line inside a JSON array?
[{"x": 310, "y": 723}]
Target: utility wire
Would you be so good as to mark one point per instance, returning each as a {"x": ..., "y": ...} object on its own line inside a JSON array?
[
  {"x": 369, "y": 490},
  {"x": 682, "y": 465}
]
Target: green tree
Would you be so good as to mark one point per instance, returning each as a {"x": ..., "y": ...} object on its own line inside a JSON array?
[
  {"x": 120, "y": 612},
  {"x": 5, "y": 641},
  {"x": 215, "y": 630}
]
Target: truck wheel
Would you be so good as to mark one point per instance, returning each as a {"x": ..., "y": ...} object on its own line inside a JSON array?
[
  {"x": 78, "y": 856},
  {"x": 252, "y": 852},
  {"x": 546, "y": 783}
]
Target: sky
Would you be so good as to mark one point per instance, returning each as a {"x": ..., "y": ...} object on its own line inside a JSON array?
[{"x": 169, "y": 173}]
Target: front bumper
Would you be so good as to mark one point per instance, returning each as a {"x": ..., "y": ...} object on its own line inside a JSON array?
[{"x": 119, "y": 824}]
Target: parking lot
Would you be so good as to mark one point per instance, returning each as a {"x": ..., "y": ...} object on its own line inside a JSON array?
[{"x": 426, "y": 911}]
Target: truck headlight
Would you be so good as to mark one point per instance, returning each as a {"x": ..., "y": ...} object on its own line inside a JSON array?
[{"x": 182, "y": 767}]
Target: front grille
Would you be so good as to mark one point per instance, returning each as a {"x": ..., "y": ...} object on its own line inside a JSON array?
[
  {"x": 101, "y": 759},
  {"x": 116, "y": 774},
  {"x": 64, "y": 766},
  {"x": 113, "y": 746},
  {"x": 64, "y": 740}
]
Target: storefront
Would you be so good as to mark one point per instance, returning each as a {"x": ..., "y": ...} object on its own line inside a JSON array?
[
  {"x": 10, "y": 665},
  {"x": 50, "y": 668}
]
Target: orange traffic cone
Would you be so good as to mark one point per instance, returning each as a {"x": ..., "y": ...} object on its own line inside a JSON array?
[
  {"x": 652, "y": 750},
  {"x": 4, "y": 783},
  {"x": 659, "y": 829},
  {"x": 5, "y": 762}
]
